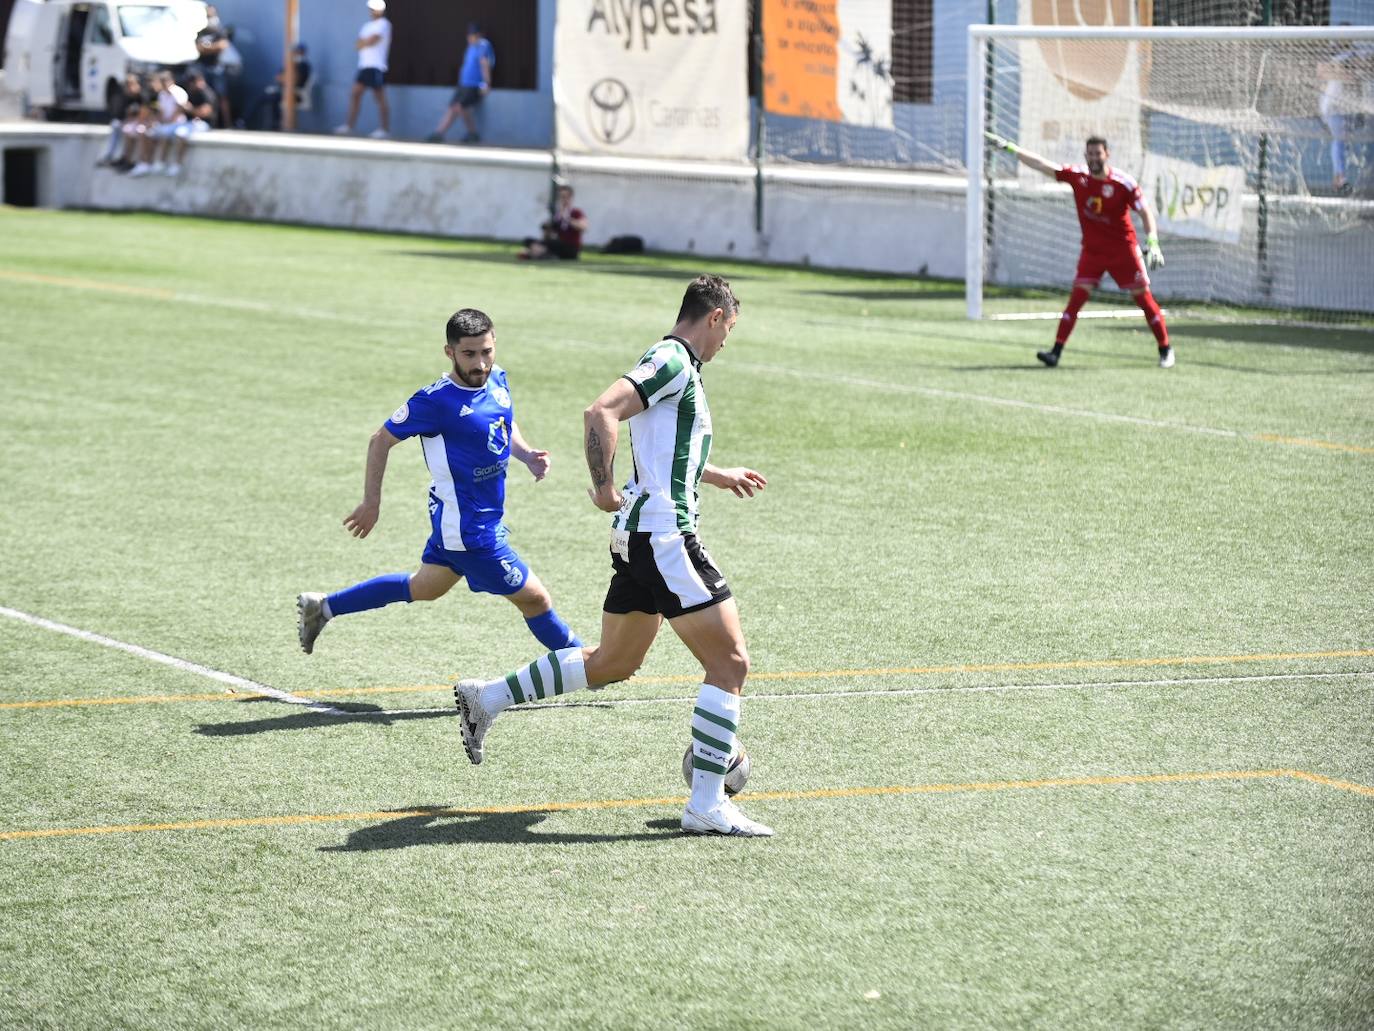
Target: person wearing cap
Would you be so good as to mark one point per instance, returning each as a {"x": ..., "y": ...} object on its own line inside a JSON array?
[
  {"x": 374, "y": 44},
  {"x": 271, "y": 96},
  {"x": 474, "y": 83}
]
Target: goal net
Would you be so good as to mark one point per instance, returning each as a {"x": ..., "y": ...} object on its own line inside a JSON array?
[{"x": 1250, "y": 146}]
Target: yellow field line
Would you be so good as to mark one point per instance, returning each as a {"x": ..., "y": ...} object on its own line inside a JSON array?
[
  {"x": 884, "y": 671},
  {"x": 1274, "y": 438},
  {"x": 87, "y": 284},
  {"x": 629, "y": 803}
]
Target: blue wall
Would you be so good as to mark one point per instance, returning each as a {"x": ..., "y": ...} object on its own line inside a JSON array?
[
  {"x": 510, "y": 118},
  {"x": 928, "y": 135}
]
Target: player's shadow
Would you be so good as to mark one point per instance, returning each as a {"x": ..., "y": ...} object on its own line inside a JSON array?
[
  {"x": 441, "y": 825},
  {"x": 350, "y": 712}
]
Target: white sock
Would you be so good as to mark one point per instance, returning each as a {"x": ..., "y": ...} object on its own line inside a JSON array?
[
  {"x": 557, "y": 673},
  {"x": 715, "y": 729}
]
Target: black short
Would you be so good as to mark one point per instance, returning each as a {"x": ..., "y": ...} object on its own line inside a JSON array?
[
  {"x": 668, "y": 573},
  {"x": 467, "y": 96},
  {"x": 372, "y": 78}
]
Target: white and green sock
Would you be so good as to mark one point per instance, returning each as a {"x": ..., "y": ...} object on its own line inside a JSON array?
[
  {"x": 549, "y": 676},
  {"x": 715, "y": 726}
]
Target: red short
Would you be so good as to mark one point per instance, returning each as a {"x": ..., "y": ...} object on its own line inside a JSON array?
[{"x": 1125, "y": 266}]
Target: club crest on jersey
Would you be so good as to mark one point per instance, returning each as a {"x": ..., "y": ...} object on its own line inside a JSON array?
[
  {"x": 1107, "y": 189},
  {"x": 500, "y": 395},
  {"x": 513, "y": 575},
  {"x": 401, "y": 414},
  {"x": 498, "y": 436}
]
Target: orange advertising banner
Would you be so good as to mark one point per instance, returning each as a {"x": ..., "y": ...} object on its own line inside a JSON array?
[{"x": 801, "y": 58}]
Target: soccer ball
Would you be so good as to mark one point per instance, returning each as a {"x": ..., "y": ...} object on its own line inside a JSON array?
[{"x": 736, "y": 774}]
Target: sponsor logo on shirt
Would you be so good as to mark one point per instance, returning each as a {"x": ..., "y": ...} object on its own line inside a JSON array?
[
  {"x": 1095, "y": 205},
  {"x": 465, "y": 411},
  {"x": 486, "y": 472},
  {"x": 401, "y": 414}
]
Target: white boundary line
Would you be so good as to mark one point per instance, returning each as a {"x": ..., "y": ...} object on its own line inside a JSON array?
[
  {"x": 171, "y": 660},
  {"x": 799, "y": 696}
]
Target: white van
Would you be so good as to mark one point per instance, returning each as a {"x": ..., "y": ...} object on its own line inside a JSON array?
[{"x": 72, "y": 55}]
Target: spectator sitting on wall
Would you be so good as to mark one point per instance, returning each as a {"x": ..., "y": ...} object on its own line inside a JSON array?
[
  {"x": 562, "y": 233},
  {"x": 373, "y": 45},
  {"x": 124, "y": 112},
  {"x": 211, "y": 43},
  {"x": 171, "y": 106},
  {"x": 137, "y": 127},
  {"x": 201, "y": 104},
  {"x": 474, "y": 83},
  {"x": 270, "y": 98}
]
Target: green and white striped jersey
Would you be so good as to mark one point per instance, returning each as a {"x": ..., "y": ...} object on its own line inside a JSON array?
[{"x": 670, "y": 442}]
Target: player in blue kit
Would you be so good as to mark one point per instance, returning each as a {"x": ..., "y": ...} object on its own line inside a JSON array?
[{"x": 466, "y": 424}]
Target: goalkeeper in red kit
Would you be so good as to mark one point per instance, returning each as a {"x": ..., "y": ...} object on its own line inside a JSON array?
[{"x": 1104, "y": 197}]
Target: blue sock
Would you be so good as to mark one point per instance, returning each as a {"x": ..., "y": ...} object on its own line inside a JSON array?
[
  {"x": 370, "y": 594},
  {"x": 552, "y": 632}
]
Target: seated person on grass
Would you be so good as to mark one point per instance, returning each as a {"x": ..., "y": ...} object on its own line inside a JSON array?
[{"x": 562, "y": 233}]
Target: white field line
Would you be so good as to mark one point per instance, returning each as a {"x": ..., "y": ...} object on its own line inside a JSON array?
[
  {"x": 170, "y": 660},
  {"x": 987, "y": 399},
  {"x": 958, "y": 395},
  {"x": 906, "y": 692}
]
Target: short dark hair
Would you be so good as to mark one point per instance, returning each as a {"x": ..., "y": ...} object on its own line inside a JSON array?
[
  {"x": 704, "y": 295},
  {"x": 468, "y": 322},
  {"x": 1097, "y": 139}
]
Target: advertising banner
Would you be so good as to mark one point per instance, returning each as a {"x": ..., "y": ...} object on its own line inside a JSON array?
[
  {"x": 829, "y": 59},
  {"x": 653, "y": 78},
  {"x": 1190, "y": 200}
]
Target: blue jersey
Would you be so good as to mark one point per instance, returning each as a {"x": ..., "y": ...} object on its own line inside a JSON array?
[
  {"x": 471, "y": 72},
  {"x": 465, "y": 433}
]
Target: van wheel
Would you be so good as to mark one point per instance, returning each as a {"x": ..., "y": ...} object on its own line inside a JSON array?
[{"x": 114, "y": 100}]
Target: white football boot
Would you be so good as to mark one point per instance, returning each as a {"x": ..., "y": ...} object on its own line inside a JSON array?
[
  {"x": 1166, "y": 360},
  {"x": 724, "y": 819},
  {"x": 310, "y": 619},
  {"x": 467, "y": 695}
]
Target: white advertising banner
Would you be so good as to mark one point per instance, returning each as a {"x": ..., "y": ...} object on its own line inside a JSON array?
[
  {"x": 864, "y": 76},
  {"x": 1190, "y": 200},
  {"x": 1073, "y": 89},
  {"x": 652, "y": 78}
]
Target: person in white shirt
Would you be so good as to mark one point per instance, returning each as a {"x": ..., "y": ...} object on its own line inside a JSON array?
[
  {"x": 171, "y": 108},
  {"x": 374, "y": 44}
]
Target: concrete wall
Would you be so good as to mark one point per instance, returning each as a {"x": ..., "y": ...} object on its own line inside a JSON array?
[
  {"x": 886, "y": 221},
  {"x": 1322, "y": 251}
]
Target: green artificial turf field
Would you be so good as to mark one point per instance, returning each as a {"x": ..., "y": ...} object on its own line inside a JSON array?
[{"x": 1061, "y": 701}]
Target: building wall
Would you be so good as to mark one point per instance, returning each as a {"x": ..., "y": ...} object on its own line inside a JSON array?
[{"x": 509, "y": 118}]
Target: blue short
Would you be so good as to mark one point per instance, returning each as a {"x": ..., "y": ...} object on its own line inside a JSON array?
[
  {"x": 498, "y": 570},
  {"x": 372, "y": 78}
]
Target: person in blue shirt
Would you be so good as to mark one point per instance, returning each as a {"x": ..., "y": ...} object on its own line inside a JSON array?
[
  {"x": 466, "y": 424},
  {"x": 474, "y": 83}
]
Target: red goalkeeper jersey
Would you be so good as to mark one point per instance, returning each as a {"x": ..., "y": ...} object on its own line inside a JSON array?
[{"x": 1104, "y": 208}]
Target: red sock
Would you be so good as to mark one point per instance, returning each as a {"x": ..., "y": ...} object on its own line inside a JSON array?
[
  {"x": 1154, "y": 317},
  {"x": 1077, "y": 298}
]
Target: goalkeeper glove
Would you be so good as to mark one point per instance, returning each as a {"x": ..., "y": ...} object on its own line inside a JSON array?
[
  {"x": 1154, "y": 254},
  {"x": 1001, "y": 143}
]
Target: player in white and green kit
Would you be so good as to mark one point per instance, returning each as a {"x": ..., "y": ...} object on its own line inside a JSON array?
[{"x": 660, "y": 569}]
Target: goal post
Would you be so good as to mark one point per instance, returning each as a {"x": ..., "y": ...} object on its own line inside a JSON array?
[{"x": 1229, "y": 132}]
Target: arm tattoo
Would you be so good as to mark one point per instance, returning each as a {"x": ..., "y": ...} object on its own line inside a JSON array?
[{"x": 596, "y": 459}]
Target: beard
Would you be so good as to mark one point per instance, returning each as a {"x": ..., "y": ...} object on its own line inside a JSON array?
[
  {"x": 476, "y": 378},
  {"x": 1096, "y": 167}
]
